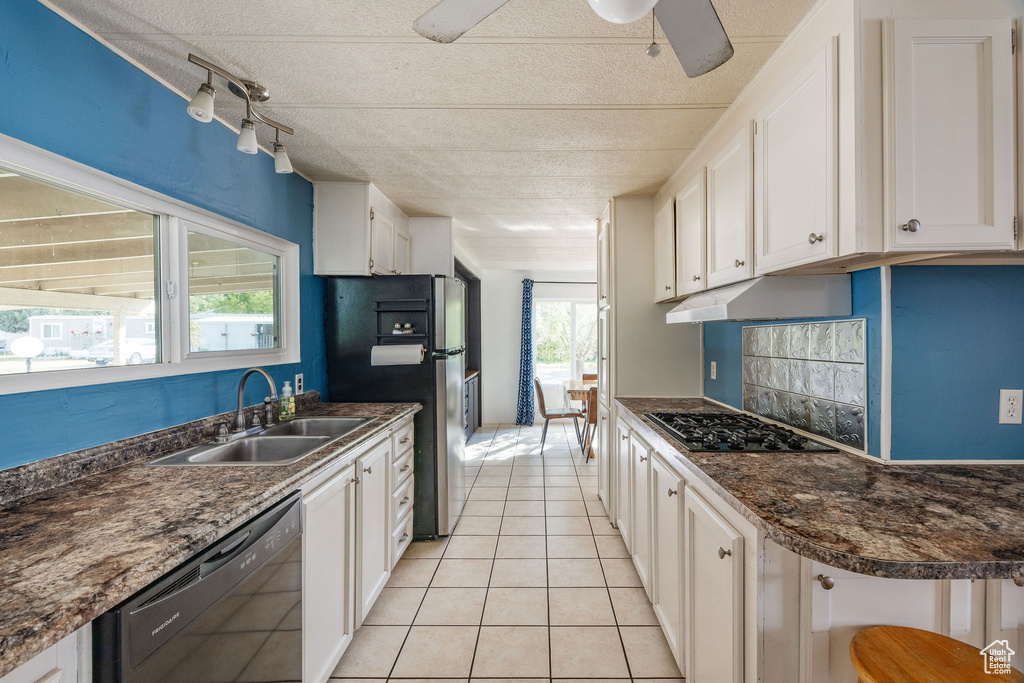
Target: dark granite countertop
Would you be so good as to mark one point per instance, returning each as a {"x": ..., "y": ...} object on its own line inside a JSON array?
[
  {"x": 896, "y": 521},
  {"x": 71, "y": 552}
]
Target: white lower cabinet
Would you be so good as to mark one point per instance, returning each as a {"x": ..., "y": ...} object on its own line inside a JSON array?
[
  {"x": 640, "y": 454},
  {"x": 603, "y": 444},
  {"x": 60, "y": 663},
  {"x": 713, "y": 560},
  {"x": 667, "y": 490},
  {"x": 373, "y": 547},
  {"x": 624, "y": 484},
  {"x": 328, "y": 552}
]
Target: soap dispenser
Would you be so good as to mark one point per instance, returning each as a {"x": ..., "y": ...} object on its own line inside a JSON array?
[{"x": 287, "y": 403}]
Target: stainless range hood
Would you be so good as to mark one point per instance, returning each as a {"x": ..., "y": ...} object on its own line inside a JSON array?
[{"x": 773, "y": 297}]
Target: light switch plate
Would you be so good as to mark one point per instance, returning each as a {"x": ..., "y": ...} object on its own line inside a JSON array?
[
  {"x": 1010, "y": 406},
  {"x": 298, "y": 384}
]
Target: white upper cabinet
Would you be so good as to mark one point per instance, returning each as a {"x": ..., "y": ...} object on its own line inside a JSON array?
[
  {"x": 356, "y": 230},
  {"x": 603, "y": 257},
  {"x": 950, "y": 152},
  {"x": 664, "y": 254},
  {"x": 795, "y": 174},
  {"x": 383, "y": 241},
  {"x": 730, "y": 211},
  {"x": 691, "y": 237},
  {"x": 401, "y": 253}
]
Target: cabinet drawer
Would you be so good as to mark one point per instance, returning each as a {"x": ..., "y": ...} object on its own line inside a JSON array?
[
  {"x": 401, "y": 502},
  {"x": 401, "y": 538},
  {"x": 401, "y": 469},
  {"x": 402, "y": 438}
]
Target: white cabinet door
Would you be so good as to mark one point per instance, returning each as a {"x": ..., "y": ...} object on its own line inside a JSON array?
[
  {"x": 795, "y": 172},
  {"x": 664, "y": 254},
  {"x": 623, "y": 484},
  {"x": 602, "y": 447},
  {"x": 730, "y": 211},
  {"x": 373, "y": 503},
  {"x": 382, "y": 235},
  {"x": 667, "y": 509},
  {"x": 641, "y": 463},
  {"x": 691, "y": 237},
  {"x": 714, "y": 595},
  {"x": 401, "y": 264},
  {"x": 328, "y": 569},
  {"x": 602, "y": 356},
  {"x": 604, "y": 229},
  {"x": 952, "y": 135}
]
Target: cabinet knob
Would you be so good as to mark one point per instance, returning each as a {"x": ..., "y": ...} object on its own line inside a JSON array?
[
  {"x": 643, "y": 458},
  {"x": 355, "y": 480},
  {"x": 403, "y": 538},
  {"x": 827, "y": 582},
  {"x": 722, "y": 552},
  {"x": 740, "y": 263},
  {"x": 404, "y": 469},
  {"x": 625, "y": 437},
  {"x": 812, "y": 238},
  {"x": 668, "y": 287},
  {"x": 1018, "y": 581},
  {"x": 673, "y": 492},
  {"x": 913, "y": 225},
  {"x": 368, "y": 470},
  {"x": 404, "y": 501},
  {"x": 404, "y": 439},
  {"x": 696, "y": 278},
  {"x": 604, "y": 357}
]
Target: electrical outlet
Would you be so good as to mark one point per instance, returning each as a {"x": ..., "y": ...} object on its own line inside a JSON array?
[
  {"x": 298, "y": 384},
  {"x": 1010, "y": 406},
  {"x": 714, "y": 370}
]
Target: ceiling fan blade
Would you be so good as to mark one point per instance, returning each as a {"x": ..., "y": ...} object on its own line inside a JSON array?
[
  {"x": 449, "y": 19},
  {"x": 695, "y": 33}
]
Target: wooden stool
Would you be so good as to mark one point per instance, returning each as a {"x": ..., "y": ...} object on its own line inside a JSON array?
[{"x": 896, "y": 654}]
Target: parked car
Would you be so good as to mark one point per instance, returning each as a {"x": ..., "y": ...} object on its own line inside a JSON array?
[{"x": 136, "y": 351}]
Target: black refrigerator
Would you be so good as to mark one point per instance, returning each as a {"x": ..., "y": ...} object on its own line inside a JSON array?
[{"x": 363, "y": 313}]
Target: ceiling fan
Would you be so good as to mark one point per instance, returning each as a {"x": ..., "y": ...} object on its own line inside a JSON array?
[{"x": 691, "y": 26}]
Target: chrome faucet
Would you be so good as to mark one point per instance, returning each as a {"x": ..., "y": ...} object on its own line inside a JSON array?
[{"x": 268, "y": 404}]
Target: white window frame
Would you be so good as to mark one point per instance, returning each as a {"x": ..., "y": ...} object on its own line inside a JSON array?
[
  {"x": 573, "y": 301},
  {"x": 51, "y": 336},
  {"x": 175, "y": 218}
]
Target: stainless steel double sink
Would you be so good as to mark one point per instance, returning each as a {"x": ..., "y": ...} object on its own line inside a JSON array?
[{"x": 281, "y": 444}]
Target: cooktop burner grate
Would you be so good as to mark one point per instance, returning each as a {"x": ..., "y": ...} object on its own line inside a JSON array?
[{"x": 712, "y": 432}]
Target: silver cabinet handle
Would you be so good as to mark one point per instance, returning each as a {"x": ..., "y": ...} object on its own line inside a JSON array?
[
  {"x": 404, "y": 469},
  {"x": 404, "y": 439},
  {"x": 812, "y": 238},
  {"x": 913, "y": 225},
  {"x": 355, "y": 480},
  {"x": 827, "y": 582},
  {"x": 368, "y": 470},
  {"x": 604, "y": 357},
  {"x": 643, "y": 458},
  {"x": 668, "y": 287},
  {"x": 740, "y": 263},
  {"x": 403, "y": 538},
  {"x": 696, "y": 278},
  {"x": 673, "y": 492},
  {"x": 722, "y": 552}
]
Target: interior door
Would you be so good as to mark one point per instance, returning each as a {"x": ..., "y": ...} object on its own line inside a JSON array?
[
  {"x": 730, "y": 211},
  {"x": 691, "y": 236},
  {"x": 953, "y": 142},
  {"x": 664, "y": 254},
  {"x": 382, "y": 235}
]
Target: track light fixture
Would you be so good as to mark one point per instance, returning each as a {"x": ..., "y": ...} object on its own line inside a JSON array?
[{"x": 201, "y": 109}]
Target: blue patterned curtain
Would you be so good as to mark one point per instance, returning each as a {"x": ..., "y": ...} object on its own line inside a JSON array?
[{"x": 524, "y": 406}]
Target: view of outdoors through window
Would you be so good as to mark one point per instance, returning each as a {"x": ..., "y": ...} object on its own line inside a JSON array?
[
  {"x": 233, "y": 291},
  {"x": 77, "y": 280},
  {"x": 566, "y": 337}
]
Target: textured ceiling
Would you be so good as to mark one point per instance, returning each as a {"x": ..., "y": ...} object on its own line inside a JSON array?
[{"x": 521, "y": 130}]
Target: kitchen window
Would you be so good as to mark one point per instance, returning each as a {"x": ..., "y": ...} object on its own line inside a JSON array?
[{"x": 104, "y": 281}]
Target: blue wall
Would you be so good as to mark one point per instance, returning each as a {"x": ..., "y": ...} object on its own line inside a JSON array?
[
  {"x": 958, "y": 338},
  {"x": 723, "y": 343},
  {"x": 64, "y": 92}
]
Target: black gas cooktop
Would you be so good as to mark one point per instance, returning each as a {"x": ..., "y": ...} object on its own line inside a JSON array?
[{"x": 708, "y": 432}]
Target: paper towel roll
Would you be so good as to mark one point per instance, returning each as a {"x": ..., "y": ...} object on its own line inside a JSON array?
[{"x": 397, "y": 354}]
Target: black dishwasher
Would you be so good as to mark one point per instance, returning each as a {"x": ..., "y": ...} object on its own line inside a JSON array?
[{"x": 231, "y": 613}]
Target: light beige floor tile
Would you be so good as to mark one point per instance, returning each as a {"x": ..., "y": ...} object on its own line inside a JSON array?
[
  {"x": 485, "y": 480},
  {"x": 528, "y": 470},
  {"x": 560, "y": 470},
  {"x": 587, "y": 479},
  {"x": 560, "y": 481},
  {"x": 526, "y": 493},
  {"x": 483, "y": 508},
  {"x": 395, "y": 607},
  {"x": 632, "y": 608},
  {"x": 611, "y": 546},
  {"x": 602, "y": 527},
  {"x": 442, "y": 651},
  {"x": 575, "y": 573},
  {"x": 496, "y": 468},
  {"x": 566, "y": 508},
  {"x": 589, "y": 680},
  {"x": 595, "y": 508},
  {"x": 589, "y": 492},
  {"x": 580, "y": 607},
  {"x": 452, "y": 607},
  {"x": 659, "y": 680},
  {"x": 524, "y": 508},
  {"x": 587, "y": 652},
  {"x": 647, "y": 652},
  {"x": 484, "y": 493},
  {"x": 569, "y": 526},
  {"x": 516, "y": 607},
  {"x": 621, "y": 574},
  {"x": 478, "y": 526},
  {"x": 527, "y": 480},
  {"x": 471, "y": 547},
  {"x": 521, "y": 547},
  {"x": 566, "y": 547},
  {"x": 562, "y": 493},
  {"x": 372, "y": 652},
  {"x": 425, "y": 549},
  {"x": 517, "y": 651},
  {"x": 463, "y": 574},
  {"x": 412, "y": 572},
  {"x": 522, "y": 526},
  {"x": 509, "y": 680},
  {"x": 519, "y": 574},
  {"x": 427, "y": 680}
]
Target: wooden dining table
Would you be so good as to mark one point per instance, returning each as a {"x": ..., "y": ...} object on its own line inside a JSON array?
[{"x": 579, "y": 390}]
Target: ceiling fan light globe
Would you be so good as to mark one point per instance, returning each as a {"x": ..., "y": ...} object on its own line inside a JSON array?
[{"x": 622, "y": 11}]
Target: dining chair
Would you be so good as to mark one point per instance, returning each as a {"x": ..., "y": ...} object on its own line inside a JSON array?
[
  {"x": 565, "y": 413},
  {"x": 588, "y": 448}
]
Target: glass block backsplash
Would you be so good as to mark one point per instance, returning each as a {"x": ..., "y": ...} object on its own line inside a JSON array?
[{"x": 812, "y": 376}]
